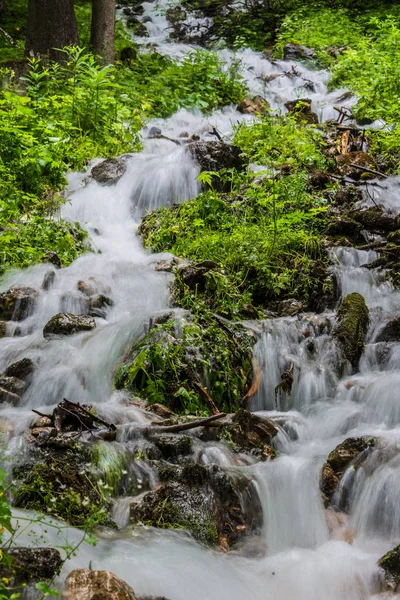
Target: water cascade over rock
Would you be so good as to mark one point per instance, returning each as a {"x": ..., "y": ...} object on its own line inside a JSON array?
[{"x": 303, "y": 484}]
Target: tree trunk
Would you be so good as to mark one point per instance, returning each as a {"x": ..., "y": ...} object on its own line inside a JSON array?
[
  {"x": 103, "y": 29},
  {"x": 51, "y": 25},
  {"x": 2, "y": 7}
]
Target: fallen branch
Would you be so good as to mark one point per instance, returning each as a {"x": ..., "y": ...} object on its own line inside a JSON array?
[
  {"x": 367, "y": 170},
  {"x": 214, "y": 409},
  {"x": 185, "y": 426}
]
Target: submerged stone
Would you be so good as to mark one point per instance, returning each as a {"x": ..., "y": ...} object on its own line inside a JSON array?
[{"x": 351, "y": 327}]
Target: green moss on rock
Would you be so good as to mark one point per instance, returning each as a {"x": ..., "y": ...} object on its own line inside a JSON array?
[
  {"x": 351, "y": 327},
  {"x": 390, "y": 563}
]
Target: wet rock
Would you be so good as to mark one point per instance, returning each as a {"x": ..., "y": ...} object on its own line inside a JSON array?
[
  {"x": 351, "y": 327},
  {"x": 344, "y": 226},
  {"x": 390, "y": 563},
  {"x": 298, "y": 52},
  {"x": 286, "y": 308},
  {"x": 42, "y": 422},
  {"x": 66, "y": 472},
  {"x": 99, "y": 305},
  {"x": 109, "y": 171},
  {"x": 337, "y": 462},
  {"x": 347, "y": 196},
  {"x": 375, "y": 219},
  {"x": 390, "y": 332},
  {"x": 253, "y": 106},
  {"x": 48, "y": 280},
  {"x": 155, "y": 132},
  {"x": 17, "y": 303},
  {"x": 162, "y": 411},
  {"x": 344, "y": 164},
  {"x": 172, "y": 446},
  {"x": 85, "y": 584},
  {"x": 203, "y": 500},
  {"x": 6, "y": 427},
  {"x": 28, "y": 564},
  {"x": 12, "y": 384},
  {"x": 214, "y": 156},
  {"x": 9, "y": 397},
  {"x": 54, "y": 259},
  {"x": 22, "y": 369},
  {"x": 250, "y": 432},
  {"x": 302, "y": 110},
  {"x": 68, "y": 324}
]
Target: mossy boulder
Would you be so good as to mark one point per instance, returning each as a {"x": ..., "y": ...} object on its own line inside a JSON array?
[
  {"x": 390, "y": 563},
  {"x": 375, "y": 219},
  {"x": 351, "y": 327},
  {"x": 183, "y": 363},
  {"x": 109, "y": 171},
  {"x": 250, "y": 433},
  {"x": 60, "y": 481},
  {"x": 203, "y": 500}
]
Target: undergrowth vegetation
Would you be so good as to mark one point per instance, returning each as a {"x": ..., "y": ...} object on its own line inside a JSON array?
[{"x": 265, "y": 237}]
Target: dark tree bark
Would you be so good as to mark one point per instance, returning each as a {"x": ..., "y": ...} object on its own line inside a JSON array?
[
  {"x": 51, "y": 24},
  {"x": 103, "y": 29},
  {"x": 2, "y": 7}
]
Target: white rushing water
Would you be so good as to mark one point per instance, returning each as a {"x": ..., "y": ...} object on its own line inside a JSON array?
[{"x": 305, "y": 553}]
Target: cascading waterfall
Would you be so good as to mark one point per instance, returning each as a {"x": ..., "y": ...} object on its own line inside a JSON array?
[{"x": 299, "y": 556}]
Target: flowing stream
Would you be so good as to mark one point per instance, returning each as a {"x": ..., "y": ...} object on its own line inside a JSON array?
[{"x": 301, "y": 554}]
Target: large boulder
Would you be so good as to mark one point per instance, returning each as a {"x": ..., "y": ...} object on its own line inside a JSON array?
[
  {"x": 68, "y": 324},
  {"x": 298, "y": 52},
  {"x": 85, "y": 584},
  {"x": 17, "y": 303},
  {"x": 351, "y": 327},
  {"x": 390, "y": 332},
  {"x": 202, "y": 499},
  {"x": 390, "y": 563},
  {"x": 109, "y": 171},
  {"x": 214, "y": 156},
  {"x": 338, "y": 461}
]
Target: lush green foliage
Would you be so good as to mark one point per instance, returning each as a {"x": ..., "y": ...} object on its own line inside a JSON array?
[
  {"x": 198, "y": 81},
  {"x": 266, "y": 239},
  {"x": 169, "y": 363},
  {"x": 319, "y": 28},
  {"x": 278, "y": 141},
  {"x": 372, "y": 70}
]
